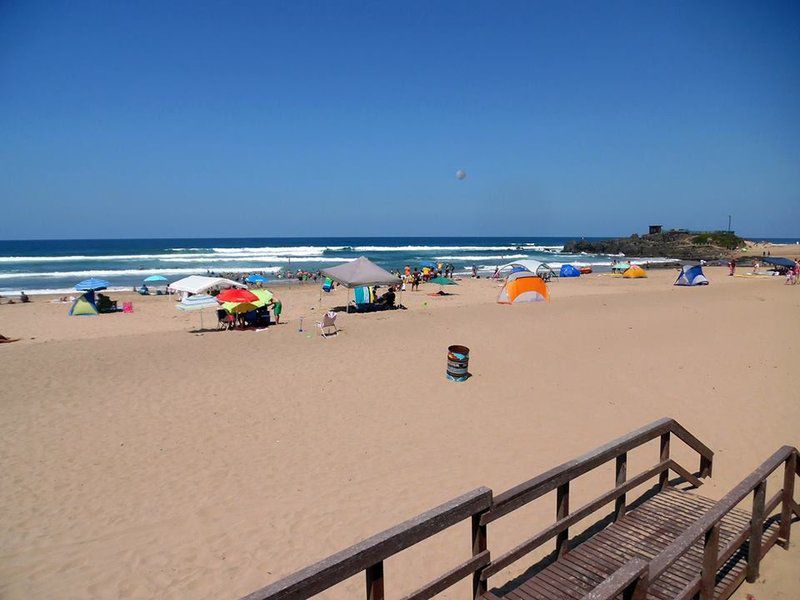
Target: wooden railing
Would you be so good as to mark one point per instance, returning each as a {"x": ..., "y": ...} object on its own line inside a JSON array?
[
  {"x": 559, "y": 478},
  {"x": 708, "y": 528},
  {"x": 631, "y": 580},
  {"x": 368, "y": 556}
]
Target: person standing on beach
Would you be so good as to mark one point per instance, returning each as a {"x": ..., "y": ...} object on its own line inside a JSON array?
[
  {"x": 277, "y": 308},
  {"x": 731, "y": 267}
]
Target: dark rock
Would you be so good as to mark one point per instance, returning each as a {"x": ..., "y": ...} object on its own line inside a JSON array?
[{"x": 681, "y": 245}]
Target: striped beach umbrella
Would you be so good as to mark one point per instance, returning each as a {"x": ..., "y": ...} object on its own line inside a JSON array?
[
  {"x": 91, "y": 285},
  {"x": 199, "y": 302}
]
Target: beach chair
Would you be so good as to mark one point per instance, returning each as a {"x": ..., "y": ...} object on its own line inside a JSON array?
[
  {"x": 328, "y": 323},
  {"x": 225, "y": 320}
]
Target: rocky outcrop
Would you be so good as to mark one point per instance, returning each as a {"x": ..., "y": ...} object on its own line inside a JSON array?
[{"x": 682, "y": 245}]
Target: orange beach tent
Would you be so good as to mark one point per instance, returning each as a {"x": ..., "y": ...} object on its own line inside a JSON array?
[
  {"x": 523, "y": 286},
  {"x": 635, "y": 272}
]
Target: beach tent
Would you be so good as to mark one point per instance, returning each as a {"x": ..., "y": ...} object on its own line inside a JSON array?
[
  {"x": 360, "y": 272},
  {"x": 691, "y": 275},
  {"x": 620, "y": 267},
  {"x": 198, "y": 284},
  {"x": 523, "y": 287},
  {"x": 569, "y": 271},
  {"x": 83, "y": 306},
  {"x": 529, "y": 264},
  {"x": 634, "y": 272}
]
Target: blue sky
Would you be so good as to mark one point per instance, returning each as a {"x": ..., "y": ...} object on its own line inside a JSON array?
[{"x": 160, "y": 119}]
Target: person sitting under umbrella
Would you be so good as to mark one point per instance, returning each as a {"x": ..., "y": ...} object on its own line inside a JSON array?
[{"x": 387, "y": 299}]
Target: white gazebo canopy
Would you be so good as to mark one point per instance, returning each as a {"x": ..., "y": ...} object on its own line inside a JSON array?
[{"x": 198, "y": 284}]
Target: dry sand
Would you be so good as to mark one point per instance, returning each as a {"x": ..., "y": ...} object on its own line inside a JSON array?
[{"x": 142, "y": 460}]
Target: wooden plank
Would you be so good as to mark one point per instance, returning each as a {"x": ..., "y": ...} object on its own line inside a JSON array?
[
  {"x": 562, "y": 512},
  {"x": 787, "y": 497},
  {"x": 720, "y": 509},
  {"x": 709, "y": 571},
  {"x": 479, "y": 546},
  {"x": 663, "y": 479},
  {"x": 537, "y": 540},
  {"x": 374, "y": 577},
  {"x": 338, "y": 567},
  {"x": 621, "y": 473},
  {"x": 453, "y": 576},
  {"x": 756, "y": 529},
  {"x": 630, "y": 574},
  {"x": 685, "y": 474}
]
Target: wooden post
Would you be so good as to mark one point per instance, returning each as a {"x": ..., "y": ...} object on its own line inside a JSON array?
[
  {"x": 663, "y": 478},
  {"x": 708, "y": 577},
  {"x": 705, "y": 466},
  {"x": 789, "y": 471},
  {"x": 375, "y": 581},
  {"x": 621, "y": 476},
  {"x": 478, "y": 545},
  {"x": 756, "y": 530},
  {"x": 638, "y": 589},
  {"x": 562, "y": 511}
]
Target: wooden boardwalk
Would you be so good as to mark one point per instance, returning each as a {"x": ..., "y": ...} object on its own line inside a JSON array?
[
  {"x": 643, "y": 533},
  {"x": 669, "y": 544}
]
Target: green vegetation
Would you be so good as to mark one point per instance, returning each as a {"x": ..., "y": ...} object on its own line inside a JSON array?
[{"x": 724, "y": 239}]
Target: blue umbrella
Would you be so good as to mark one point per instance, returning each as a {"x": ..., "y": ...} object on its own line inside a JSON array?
[
  {"x": 156, "y": 279},
  {"x": 92, "y": 285},
  {"x": 255, "y": 279}
]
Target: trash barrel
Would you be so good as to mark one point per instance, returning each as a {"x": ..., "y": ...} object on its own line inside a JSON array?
[{"x": 457, "y": 363}]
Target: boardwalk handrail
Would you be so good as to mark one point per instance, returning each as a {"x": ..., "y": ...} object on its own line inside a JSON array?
[
  {"x": 629, "y": 580},
  {"x": 546, "y": 482},
  {"x": 559, "y": 479},
  {"x": 708, "y": 525},
  {"x": 369, "y": 554}
]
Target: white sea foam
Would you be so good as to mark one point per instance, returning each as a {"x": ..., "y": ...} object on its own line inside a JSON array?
[
  {"x": 264, "y": 258},
  {"x": 143, "y": 272},
  {"x": 456, "y": 248},
  {"x": 281, "y": 251},
  {"x": 476, "y": 257}
]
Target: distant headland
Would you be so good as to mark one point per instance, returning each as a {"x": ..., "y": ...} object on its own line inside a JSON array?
[{"x": 676, "y": 243}]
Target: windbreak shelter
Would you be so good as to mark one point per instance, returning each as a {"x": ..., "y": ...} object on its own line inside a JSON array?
[
  {"x": 523, "y": 286},
  {"x": 634, "y": 272},
  {"x": 199, "y": 284},
  {"x": 691, "y": 275},
  {"x": 360, "y": 272},
  {"x": 568, "y": 271}
]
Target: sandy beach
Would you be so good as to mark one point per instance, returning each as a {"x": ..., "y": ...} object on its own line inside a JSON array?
[{"x": 145, "y": 459}]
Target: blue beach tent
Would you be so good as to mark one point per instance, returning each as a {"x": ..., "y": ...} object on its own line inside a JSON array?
[
  {"x": 691, "y": 275},
  {"x": 569, "y": 271}
]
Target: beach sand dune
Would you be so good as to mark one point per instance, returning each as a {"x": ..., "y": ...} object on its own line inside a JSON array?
[{"x": 143, "y": 460}]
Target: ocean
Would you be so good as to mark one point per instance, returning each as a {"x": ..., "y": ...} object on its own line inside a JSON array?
[{"x": 55, "y": 266}]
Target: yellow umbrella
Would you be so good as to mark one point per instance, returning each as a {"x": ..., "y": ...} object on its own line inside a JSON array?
[
  {"x": 239, "y": 307},
  {"x": 264, "y": 297}
]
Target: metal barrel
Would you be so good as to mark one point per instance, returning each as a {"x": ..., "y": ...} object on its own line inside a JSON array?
[{"x": 457, "y": 363}]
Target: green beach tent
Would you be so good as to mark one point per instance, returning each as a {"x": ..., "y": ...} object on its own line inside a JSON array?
[{"x": 83, "y": 307}]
